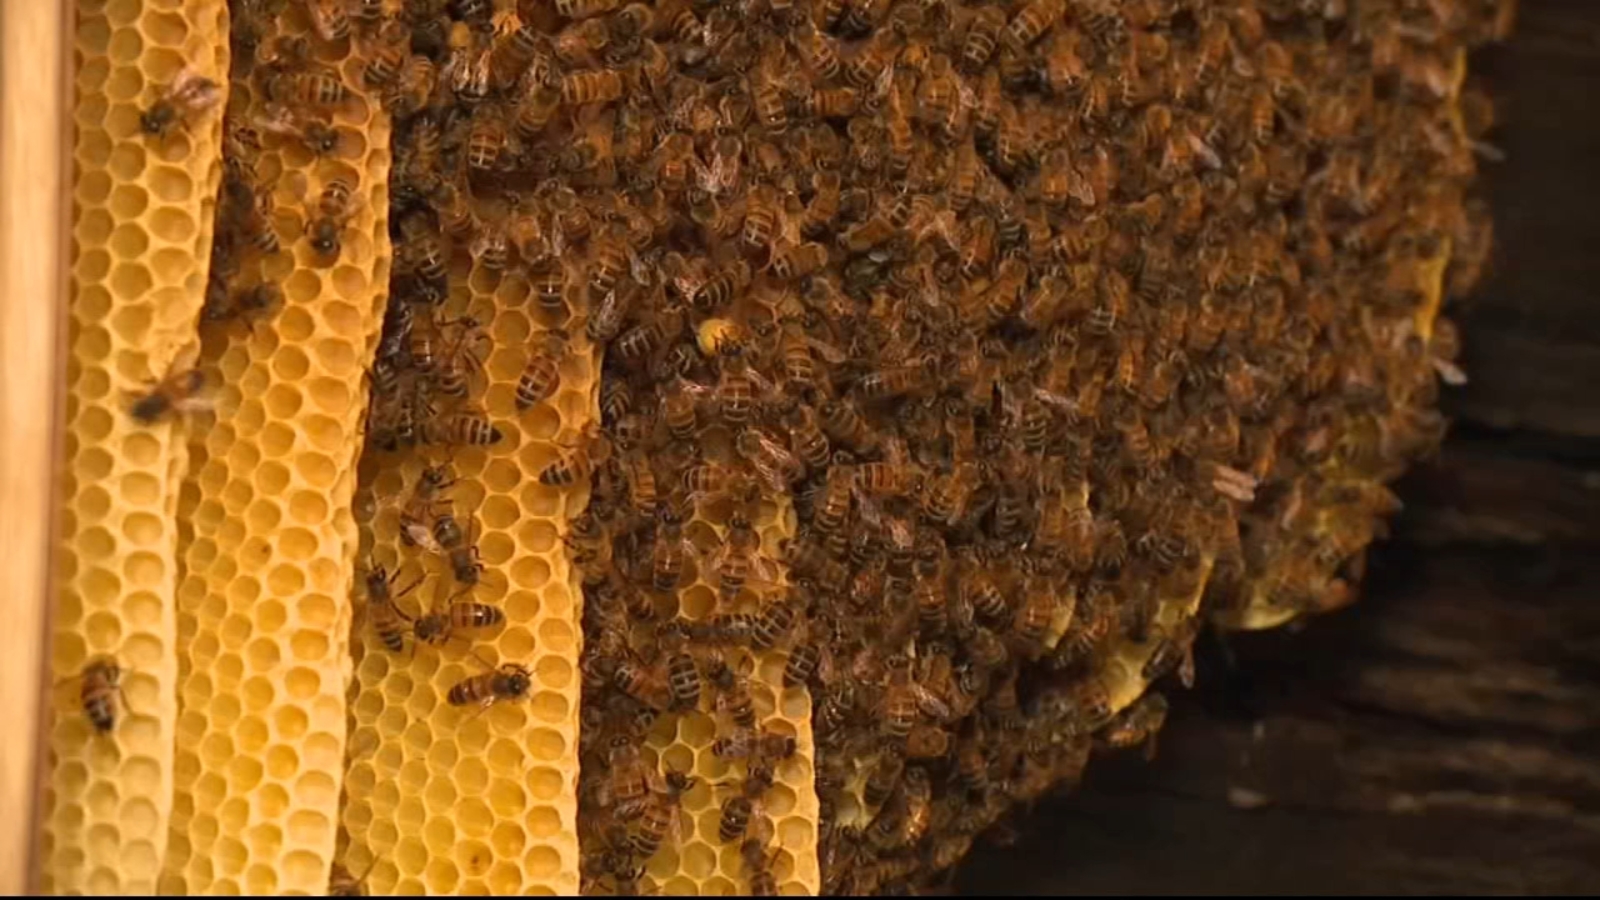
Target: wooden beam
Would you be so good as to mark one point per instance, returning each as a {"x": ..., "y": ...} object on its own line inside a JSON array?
[{"x": 34, "y": 218}]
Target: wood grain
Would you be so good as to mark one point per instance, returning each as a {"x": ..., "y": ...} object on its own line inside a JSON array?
[
  {"x": 33, "y": 221},
  {"x": 1442, "y": 736}
]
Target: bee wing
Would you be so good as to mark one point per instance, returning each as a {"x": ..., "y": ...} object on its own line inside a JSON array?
[
  {"x": 931, "y": 704},
  {"x": 682, "y": 825}
]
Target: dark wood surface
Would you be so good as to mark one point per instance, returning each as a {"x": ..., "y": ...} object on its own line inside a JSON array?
[
  {"x": 1442, "y": 735},
  {"x": 1532, "y": 332}
]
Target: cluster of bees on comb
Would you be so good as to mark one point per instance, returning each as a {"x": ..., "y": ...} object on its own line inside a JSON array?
[{"x": 1045, "y": 330}]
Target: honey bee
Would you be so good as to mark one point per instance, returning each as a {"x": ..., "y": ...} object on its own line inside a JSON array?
[
  {"x": 189, "y": 95},
  {"x": 510, "y": 682},
  {"x": 541, "y": 377},
  {"x": 387, "y": 619},
  {"x": 335, "y": 207},
  {"x": 1138, "y": 724},
  {"x": 772, "y": 625},
  {"x": 586, "y": 9},
  {"x": 626, "y": 789},
  {"x": 739, "y": 559},
  {"x": 807, "y": 659},
  {"x": 824, "y": 205},
  {"x": 883, "y": 778},
  {"x": 576, "y": 460},
  {"x": 176, "y": 392},
  {"x": 733, "y": 700},
  {"x": 295, "y": 88},
  {"x": 99, "y": 687},
  {"x": 341, "y": 883},
  {"x": 467, "y": 428},
  {"x": 724, "y": 287},
  {"x": 438, "y": 627},
  {"x": 598, "y": 86},
  {"x": 459, "y": 549},
  {"x": 315, "y": 132},
  {"x": 982, "y": 37},
  {"x": 737, "y": 390},
  {"x": 758, "y": 867},
  {"x": 662, "y": 811},
  {"x": 738, "y": 810},
  {"x": 645, "y": 684}
]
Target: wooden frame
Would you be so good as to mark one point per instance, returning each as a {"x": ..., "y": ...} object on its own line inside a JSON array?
[{"x": 35, "y": 170}]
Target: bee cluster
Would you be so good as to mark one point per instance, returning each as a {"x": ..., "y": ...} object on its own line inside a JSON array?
[{"x": 1043, "y": 329}]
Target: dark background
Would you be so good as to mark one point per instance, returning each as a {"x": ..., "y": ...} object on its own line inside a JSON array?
[{"x": 1442, "y": 735}]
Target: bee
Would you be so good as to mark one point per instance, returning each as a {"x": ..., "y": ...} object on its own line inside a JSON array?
[
  {"x": 739, "y": 558},
  {"x": 824, "y": 205},
  {"x": 843, "y": 423},
  {"x": 758, "y": 867},
  {"x": 510, "y": 682},
  {"x": 189, "y": 95},
  {"x": 724, "y": 287},
  {"x": 662, "y": 811},
  {"x": 176, "y": 392},
  {"x": 315, "y": 132},
  {"x": 983, "y": 36},
  {"x": 821, "y": 53},
  {"x": 626, "y": 790},
  {"x": 458, "y": 360},
  {"x": 738, "y": 810},
  {"x": 883, "y": 778},
  {"x": 808, "y": 559},
  {"x": 254, "y": 303},
  {"x": 889, "y": 384},
  {"x": 341, "y": 883},
  {"x": 486, "y": 138},
  {"x": 534, "y": 110},
  {"x": 598, "y": 86},
  {"x": 295, "y": 88},
  {"x": 683, "y": 679},
  {"x": 916, "y": 795},
  {"x": 891, "y": 478},
  {"x": 644, "y": 684},
  {"x": 586, "y": 9},
  {"x": 811, "y": 445},
  {"x": 577, "y": 461},
  {"x": 387, "y": 618},
  {"x": 99, "y": 687},
  {"x": 438, "y": 627},
  {"x": 336, "y": 206},
  {"x": 733, "y": 699},
  {"x": 808, "y": 658},
  {"x": 772, "y": 625},
  {"x": 456, "y": 546},
  {"x": 541, "y": 377},
  {"x": 1172, "y": 651},
  {"x": 772, "y": 461},
  {"x": 1138, "y": 724},
  {"x": 330, "y": 18},
  {"x": 927, "y": 742},
  {"x": 1112, "y": 305},
  {"x": 736, "y": 390},
  {"x": 799, "y": 260},
  {"x": 467, "y": 428}
]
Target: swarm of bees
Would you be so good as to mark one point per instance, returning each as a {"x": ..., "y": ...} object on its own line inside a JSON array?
[{"x": 1060, "y": 325}]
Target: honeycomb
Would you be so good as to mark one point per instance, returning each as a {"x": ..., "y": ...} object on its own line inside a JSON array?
[
  {"x": 264, "y": 607},
  {"x": 932, "y": 372},
  {"x": 142, "y": 224},
  {"x": 453, "y": 801},
  {"x": 696, "y": 861}
]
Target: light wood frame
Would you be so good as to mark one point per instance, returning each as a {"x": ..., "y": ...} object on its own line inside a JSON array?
[{"x": 35, "y": 216}]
